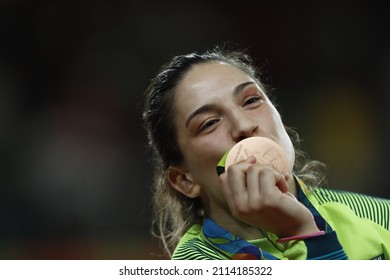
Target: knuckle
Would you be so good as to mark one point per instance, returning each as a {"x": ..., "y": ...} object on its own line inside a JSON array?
[
  {"x": 233, "y": 170},
  {"x": 262, "y": 170},
  {"x": 255, "y": 207},
  {"x": 265, "y": 171},
  {"x": 241, "y": 210},
  {"x": 267, "y": 204},
  {"x": 222, "y": 178},
  {"x": 252, "y": 168}
]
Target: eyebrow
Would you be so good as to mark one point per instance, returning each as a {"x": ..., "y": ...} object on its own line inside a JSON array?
[{"x": 210, "y": 107}]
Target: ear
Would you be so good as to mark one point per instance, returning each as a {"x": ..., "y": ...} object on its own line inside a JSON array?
[{"x": 182, "y": 182}]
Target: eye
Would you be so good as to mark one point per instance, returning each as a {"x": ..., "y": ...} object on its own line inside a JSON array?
[
  {"x": 208, "y": 124},
  {"x": 252, "y": 100}
]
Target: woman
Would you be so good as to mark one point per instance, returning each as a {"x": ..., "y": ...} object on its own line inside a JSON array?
[{"x": 197, "y": 108}]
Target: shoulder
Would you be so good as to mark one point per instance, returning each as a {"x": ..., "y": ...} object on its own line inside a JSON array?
[
  {"x": 192, "y": 247},
  {"x": 365, "y": 206}
]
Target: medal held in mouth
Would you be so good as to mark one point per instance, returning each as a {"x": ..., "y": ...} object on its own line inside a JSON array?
[{"x": 265, "y": 150}]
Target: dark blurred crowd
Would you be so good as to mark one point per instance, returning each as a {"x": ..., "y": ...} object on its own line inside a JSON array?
[{"x": 75, "y": 172}]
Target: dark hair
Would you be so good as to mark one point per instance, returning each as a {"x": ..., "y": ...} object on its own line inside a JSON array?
[{"x": 174, "y": 212}]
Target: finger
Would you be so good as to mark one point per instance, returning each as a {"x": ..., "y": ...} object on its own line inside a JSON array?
[
  {"x": 237, "y": 185},
  {"x": 281, "y": 182},
  {"x": 270, "y": 178},
  {"x": 262, "y": 185},
  {"x": 234, "y": 187},
  {"x": 291, "y": 195},
  {"x": 250, "y": 159},
  {"x": 253, "y": 186},
  {"x": 236, "y": 176}
]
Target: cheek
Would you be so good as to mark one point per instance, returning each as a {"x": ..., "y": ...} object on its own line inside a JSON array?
[
  {"x": 283, "y": 137},
  {"x": 201, "y": 159},
  {"x": 289, "y": 148}
]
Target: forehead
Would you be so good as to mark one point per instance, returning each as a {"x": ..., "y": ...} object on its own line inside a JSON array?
[
  {"x": 207, "y": 83},
  {"x": 210, "y": 77}
]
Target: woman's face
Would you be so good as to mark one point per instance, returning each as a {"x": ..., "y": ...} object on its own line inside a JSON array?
[{"x": 216, "y": 106}]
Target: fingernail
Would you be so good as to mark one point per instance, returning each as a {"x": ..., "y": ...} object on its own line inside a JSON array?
[{"x": 251, "y": 159}]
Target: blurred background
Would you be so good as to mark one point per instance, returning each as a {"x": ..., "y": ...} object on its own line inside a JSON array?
[{"x": 75, "y": 176}]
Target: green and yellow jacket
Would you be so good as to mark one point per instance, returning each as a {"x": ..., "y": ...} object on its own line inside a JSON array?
[{"x": 356, "y": 227}]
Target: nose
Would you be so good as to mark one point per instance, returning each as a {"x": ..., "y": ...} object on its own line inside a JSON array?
[{"x": 242, "y": 126}]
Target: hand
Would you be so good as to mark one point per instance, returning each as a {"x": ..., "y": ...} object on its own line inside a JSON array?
[{"x": 258, "y": 195}]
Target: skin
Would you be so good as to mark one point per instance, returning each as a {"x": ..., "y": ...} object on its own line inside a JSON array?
[{"x": 218, "y": 105}]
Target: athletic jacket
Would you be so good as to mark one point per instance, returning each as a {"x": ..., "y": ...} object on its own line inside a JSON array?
[{"x": 356, "y": 227}]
